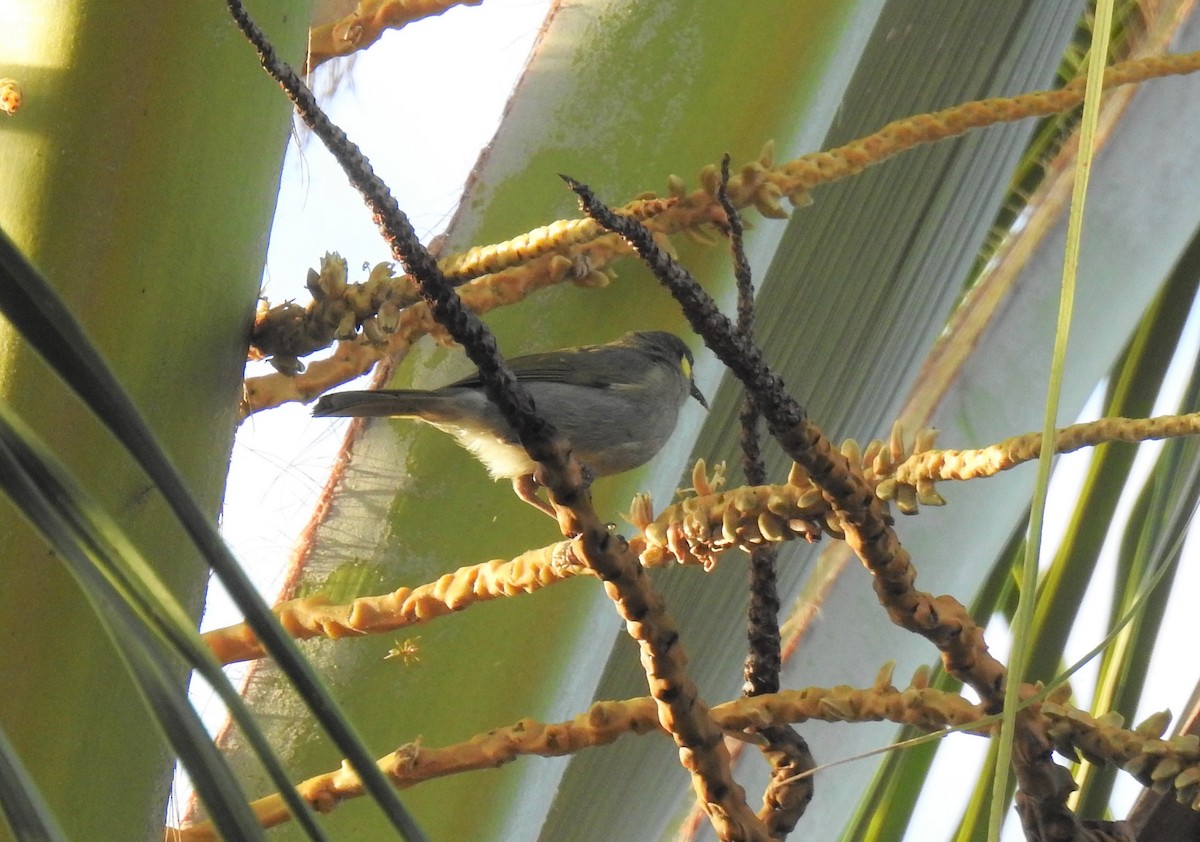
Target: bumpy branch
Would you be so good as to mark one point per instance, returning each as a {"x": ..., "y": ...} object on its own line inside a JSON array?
[
  {"x": 604, "y": 722},
  {"x": 969, "y": 464},
  {"x": 366, "y": 25},
  {"x": 315, "y": 616},
  {"x": 859, "y": 513},
  {"x": 698, "y": 529},
  {"x": 681, "y": 712},
  {"x": 1167, "y": 765},
  {"x": 763, "y": 660},
  {"x": 789, "y": 790},
  {"x": 942, "y": 620}
]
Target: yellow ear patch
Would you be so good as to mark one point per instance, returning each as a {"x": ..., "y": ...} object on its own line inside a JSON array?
[{"x": 686, "y": 365}]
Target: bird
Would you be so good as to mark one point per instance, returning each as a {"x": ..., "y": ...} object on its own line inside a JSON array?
[{"x": 616, "y": 403}]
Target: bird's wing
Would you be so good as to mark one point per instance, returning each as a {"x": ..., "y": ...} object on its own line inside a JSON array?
[
  {"x": 376, "y": 402},
  {"x": 557, "y": 367}
]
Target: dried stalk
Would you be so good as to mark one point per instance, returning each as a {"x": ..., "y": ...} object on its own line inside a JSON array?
[
  {"x": 942, "y": 620},
  {"x": 1166, "y": 765},
  {"x": 602, "y": 724},
  {"x": 366, "y": 25},
  {"x": 681, "y": 712},
  {"x": 315, "y": 616},
  {"x": 789, "y": 790}
]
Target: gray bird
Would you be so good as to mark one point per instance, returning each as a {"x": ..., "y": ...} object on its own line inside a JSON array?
[{"x": 617, "y": 404}]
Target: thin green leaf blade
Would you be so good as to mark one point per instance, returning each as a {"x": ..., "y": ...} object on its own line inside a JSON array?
[{"x": 29, "y": 817}]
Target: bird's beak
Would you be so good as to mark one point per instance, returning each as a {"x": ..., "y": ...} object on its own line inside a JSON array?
[{"x": 698, "y": 395}]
